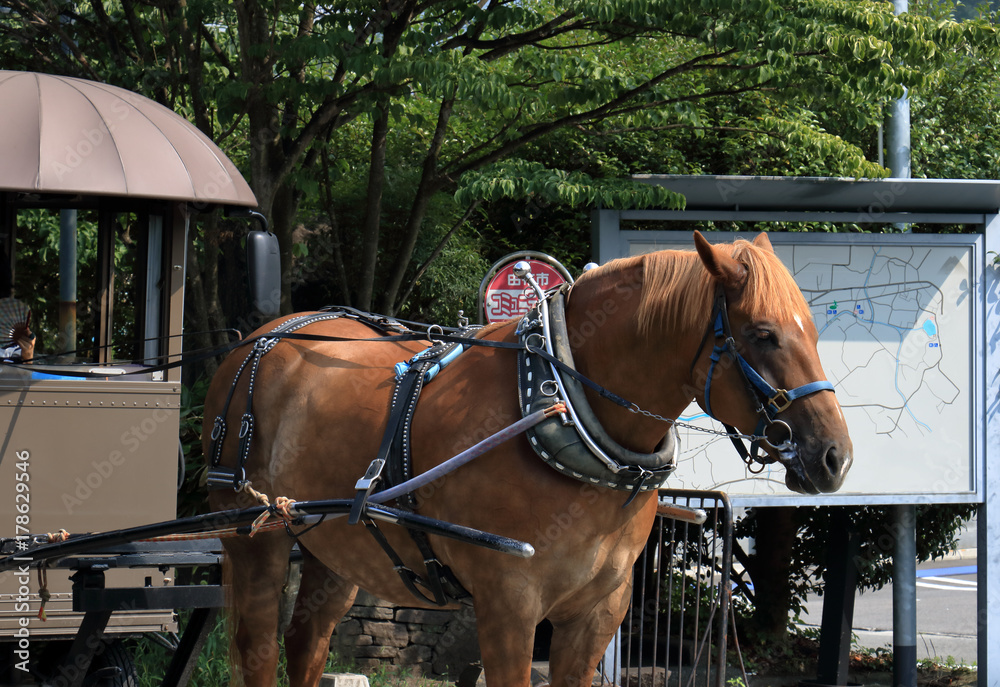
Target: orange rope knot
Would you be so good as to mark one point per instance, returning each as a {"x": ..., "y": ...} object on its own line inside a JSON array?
[
  {"x": 284, "y": 506},
  {"x": 555, "y": 409},
  {"x": 258, "y": 522}
]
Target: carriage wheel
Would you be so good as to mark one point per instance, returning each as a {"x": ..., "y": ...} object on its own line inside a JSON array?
[{"x": 113, "y": 667}]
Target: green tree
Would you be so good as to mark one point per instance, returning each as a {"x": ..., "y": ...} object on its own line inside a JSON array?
[{"x": 467, "y": 84}]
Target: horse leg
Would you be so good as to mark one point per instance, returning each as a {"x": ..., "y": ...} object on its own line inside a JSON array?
[
  {"x": 323, "y": 599},
  {"x": 256, "y": 569},
  {"x": 506, "y": 640},
  {"x": 579, "y": 641}
]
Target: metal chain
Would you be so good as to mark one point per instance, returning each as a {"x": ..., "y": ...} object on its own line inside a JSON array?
[{"x": 687, "y": 425}]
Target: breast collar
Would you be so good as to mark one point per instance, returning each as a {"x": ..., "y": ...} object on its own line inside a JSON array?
[{"x": 575, "y": 443}]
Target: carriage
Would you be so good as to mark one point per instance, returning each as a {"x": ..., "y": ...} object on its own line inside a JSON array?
[
  {"x": 90, "y": 445},
  {"x": 308, "y": 382}
]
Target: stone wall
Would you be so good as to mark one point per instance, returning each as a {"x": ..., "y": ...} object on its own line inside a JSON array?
[{"x": 377, "y": 634}]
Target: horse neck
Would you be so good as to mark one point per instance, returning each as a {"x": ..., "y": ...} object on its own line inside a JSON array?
[{"x": 650, "y": 371}]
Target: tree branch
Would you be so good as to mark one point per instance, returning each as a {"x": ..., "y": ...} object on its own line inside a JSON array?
[
  {"x": 430, "y": 182},
  {"x": 601, "y": 112},
  {"x": 436, "y": 253}
]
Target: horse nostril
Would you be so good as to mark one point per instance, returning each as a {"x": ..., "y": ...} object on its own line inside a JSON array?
[{"x": 833, "y": 460}]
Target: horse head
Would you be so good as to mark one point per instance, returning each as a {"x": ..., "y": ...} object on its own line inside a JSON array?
[{"x": 770, "y": 334}]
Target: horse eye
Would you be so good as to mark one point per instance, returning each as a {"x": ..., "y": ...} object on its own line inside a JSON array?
[{"x": 763, "y": 335}]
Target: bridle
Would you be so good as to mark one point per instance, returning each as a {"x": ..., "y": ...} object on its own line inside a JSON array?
[{"x": 768, "y": 401}]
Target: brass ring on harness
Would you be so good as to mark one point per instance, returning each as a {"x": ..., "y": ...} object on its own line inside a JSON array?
[
  {"x": 528, "y": 346},
  {"x": 435, "y": 329},
  {"x": 548, "y": 388}
]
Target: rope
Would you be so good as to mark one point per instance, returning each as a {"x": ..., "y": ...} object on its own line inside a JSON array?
[
  {"x": 214, "y": 534},
  {"x": 43, "y": 592},
  {"x": 282, "y": 506},
  {"x": 43, "y": 579}
]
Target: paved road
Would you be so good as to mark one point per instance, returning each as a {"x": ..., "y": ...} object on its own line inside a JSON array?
[{"x": 946, "y": 611}]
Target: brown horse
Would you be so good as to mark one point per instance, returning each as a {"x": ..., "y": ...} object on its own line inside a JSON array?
[{"x": 637, "y": 326}]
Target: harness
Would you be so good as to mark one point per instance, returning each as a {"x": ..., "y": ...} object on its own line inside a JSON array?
[
  {"x": 220, "y": 476},
  {"x": 768, "y": 401},
  {"x": 575, "y": 443},
  {"x": 570, "y": 439},
  {"x": 393, "y": 455}
]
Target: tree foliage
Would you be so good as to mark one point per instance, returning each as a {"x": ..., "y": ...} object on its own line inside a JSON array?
[{"x": 437, "y": 98}]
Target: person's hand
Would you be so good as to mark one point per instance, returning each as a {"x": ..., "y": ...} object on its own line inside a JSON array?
[{"x": 25, "y": 338}]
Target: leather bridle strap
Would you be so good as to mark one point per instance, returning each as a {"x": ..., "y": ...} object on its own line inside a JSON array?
[{"x": 768, "y": 400}]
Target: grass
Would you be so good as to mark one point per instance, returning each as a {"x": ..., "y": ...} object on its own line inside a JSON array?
[
  {"x": 797, "y": 657},
  {"x": 152, "y": 659}
]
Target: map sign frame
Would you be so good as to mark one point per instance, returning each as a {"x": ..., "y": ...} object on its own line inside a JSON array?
[{"x": 902, "y": 338}]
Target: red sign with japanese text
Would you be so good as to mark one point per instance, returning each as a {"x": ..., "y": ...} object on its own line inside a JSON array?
[{"x": 509, "y": 296}]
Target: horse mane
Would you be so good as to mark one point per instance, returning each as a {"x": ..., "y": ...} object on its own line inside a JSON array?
[{"x": 677, "y": 290}]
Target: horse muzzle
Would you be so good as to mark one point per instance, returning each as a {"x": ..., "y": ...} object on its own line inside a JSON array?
[{"x": 822, "y": 469}]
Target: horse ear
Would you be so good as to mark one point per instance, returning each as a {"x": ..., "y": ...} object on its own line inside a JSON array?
[
  {"x": 730, "y": 273},
  {"x": 762, "y": 241}
]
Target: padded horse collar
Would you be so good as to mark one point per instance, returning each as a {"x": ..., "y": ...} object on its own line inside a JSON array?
[{"x": 576, "y": 444}]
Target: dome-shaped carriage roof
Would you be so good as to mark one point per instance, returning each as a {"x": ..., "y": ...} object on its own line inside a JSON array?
[{"x": 63, "y": 135}]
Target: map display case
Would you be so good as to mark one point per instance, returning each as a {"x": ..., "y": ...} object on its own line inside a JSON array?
[{"x": 899, "y": 330}]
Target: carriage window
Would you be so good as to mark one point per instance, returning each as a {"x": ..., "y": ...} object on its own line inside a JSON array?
[
  {"x": 37, "y": 283},
  {"x": 114, "y": 313}
]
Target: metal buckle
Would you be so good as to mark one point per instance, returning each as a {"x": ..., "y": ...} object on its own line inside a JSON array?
[
  {"x": 779, "y": 401},
  {"x": 528, "y": 345},
  {"x": 246, "y": 425},
  {"x": 218, "y": 427},
  {"x": 371, "y": 476}
]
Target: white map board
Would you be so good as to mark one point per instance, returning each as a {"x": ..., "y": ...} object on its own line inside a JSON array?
[{"x": 901, "y": 339}]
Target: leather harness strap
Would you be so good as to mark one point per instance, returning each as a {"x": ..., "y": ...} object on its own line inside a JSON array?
[
  {"x": 393, "y": 458},
  {"x": 393, "y": 454},
  {"x": 220, "y": 476},
  {"x": 768, "y": 401}
]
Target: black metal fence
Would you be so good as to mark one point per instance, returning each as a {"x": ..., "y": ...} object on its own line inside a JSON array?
[{"x": 675, "y": 631}]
